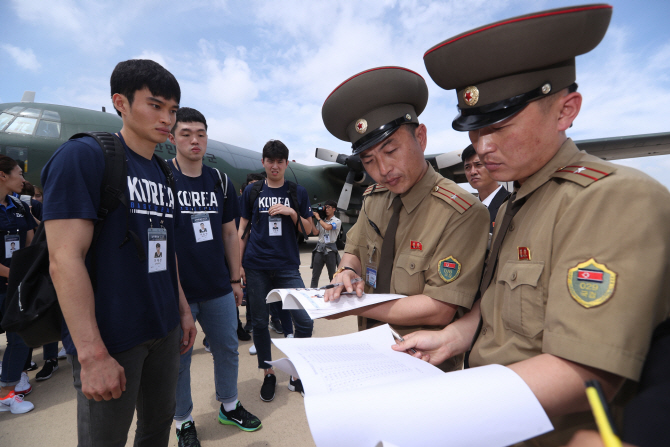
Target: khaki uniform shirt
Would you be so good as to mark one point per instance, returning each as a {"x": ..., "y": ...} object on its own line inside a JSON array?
[
  {"x": 583, "y": 272},
  {"x": 439, "y": 223}
]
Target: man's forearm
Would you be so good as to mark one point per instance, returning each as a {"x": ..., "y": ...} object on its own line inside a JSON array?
[
  {"x": 73, "y": 286},
  {"x": 416, "y": 310},
  {"x": 559, "y": 384},
  {"x": 231, "y": 246}
]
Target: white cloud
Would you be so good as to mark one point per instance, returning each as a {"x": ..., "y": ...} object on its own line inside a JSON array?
[{"x": 25, "y": 59}]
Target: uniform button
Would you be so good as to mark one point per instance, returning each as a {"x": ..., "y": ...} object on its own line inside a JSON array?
[
  {"x": 411, "y": 266},
  {"x": 484, "y": 331},
  {"x": 513, "y": 276}
]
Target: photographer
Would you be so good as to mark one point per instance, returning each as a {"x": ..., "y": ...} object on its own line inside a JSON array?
[{"x": 326, "y": 251}]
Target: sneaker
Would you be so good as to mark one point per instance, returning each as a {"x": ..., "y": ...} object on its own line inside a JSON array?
[
  {"x": 23, "y": 387},
  {"x": 252, "y": 350},
  {"x": 296, "y": 385},
  {"x": 290, "y": 336},
  {"x": 187, "y": 436},
  {"x": 240, "y": 417},
  {"x": 49, "y": 367},
  {"x": 32, "y": 367},
  {"x": 241, "y": 333},
  {"x": 206, "y": 345},
  {"x": 248, "y": 328},
  {"x": 62, "y": 354},
  {"x": 268, "y": 388},
  {"x": 14, "y": 402},
  {"x": 275, "y": 325}
]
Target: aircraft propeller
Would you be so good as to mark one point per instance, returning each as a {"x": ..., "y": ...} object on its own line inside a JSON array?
[{"x": 356, "y": 172}]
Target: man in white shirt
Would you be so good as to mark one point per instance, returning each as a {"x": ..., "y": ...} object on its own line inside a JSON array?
[{"x": 490, "y": 193}]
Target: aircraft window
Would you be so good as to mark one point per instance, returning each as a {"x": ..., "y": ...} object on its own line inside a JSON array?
[
  {"x": 51, "y": 115},
  {"x": 32, "y": 113},
  {"x": 22, "y": 125},
  {"x": 15, "y": 109},
  {"x": 48, "y": 129},
  {"x": 4, "y": 119}
]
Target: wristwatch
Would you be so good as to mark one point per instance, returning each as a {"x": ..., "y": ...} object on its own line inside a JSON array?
[{"x": 341, "y": 269}]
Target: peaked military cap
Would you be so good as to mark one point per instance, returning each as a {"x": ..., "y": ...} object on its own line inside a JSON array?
[
  {"x": 499, "y": 68},
  {"x": 369, "y": 106}
]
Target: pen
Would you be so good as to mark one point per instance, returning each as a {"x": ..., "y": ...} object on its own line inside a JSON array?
[
  {"x": 337, "y": 284},
  {"x": 399, "y": 338},
  {"x": 601, "y": 413}
]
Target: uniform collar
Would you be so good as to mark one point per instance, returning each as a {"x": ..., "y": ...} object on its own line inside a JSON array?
[
  {"x": 10, "y": 204},
  {"x": 416, "y": 193},
  {"x": 567, "y": 152}
]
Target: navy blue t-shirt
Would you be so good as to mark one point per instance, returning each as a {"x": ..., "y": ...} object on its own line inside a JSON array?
[
  {"x": 271, "y": 247},
  {"x": 203, "y": 270},
  {"x": 131, "y": 305},
  {"x": 13, "y": 223}
]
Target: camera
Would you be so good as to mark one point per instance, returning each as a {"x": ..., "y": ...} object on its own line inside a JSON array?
[{"x": 321, "y": 211}]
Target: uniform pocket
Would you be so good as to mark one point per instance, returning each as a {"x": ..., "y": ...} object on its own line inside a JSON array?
[
  {"x": 409, "y": 274},
  {"x": 523, "y": 300}
]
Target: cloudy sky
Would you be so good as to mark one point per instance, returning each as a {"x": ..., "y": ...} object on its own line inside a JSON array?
[{"x": 262, "y": 69}]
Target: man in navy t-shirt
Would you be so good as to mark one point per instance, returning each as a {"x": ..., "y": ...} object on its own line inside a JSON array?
[
  {"x": 124, "y": 325},
  {"x": 209, "y": 253},
  {"x": 270, "y": 256}
]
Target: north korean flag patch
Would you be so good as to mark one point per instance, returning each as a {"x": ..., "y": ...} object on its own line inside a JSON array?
[
  {"x": 590, "y": 283},
  {"x": 415, "y": 245},
  {"x": 449, "y": 269}
]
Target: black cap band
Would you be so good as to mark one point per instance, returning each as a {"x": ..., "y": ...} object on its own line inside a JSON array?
[{"x": 378, "y": 135}]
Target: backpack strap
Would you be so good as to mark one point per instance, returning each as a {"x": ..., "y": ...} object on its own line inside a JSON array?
[
  {"x": 253, "y": 195},
  {"x": 223, "y": 184},
  {"x": 293, "y": 193},
  {"x": 17, "y": 203}
]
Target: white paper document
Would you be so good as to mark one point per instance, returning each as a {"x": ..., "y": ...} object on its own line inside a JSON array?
[
  {"x": 312, "y": 301},
  {"x": 358, "y": 392}
]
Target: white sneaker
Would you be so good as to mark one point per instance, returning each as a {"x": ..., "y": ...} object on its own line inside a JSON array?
[
  {"x": 62, "y": 354},
  {"x": 252, "y": 350},
  {"x": 23, "y": 387},
  {"x": 289, "y": 336},
  {"x": 15, "y": 403}
]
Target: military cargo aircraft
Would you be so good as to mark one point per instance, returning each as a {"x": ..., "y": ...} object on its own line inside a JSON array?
[{"x": 30, "y": 132}]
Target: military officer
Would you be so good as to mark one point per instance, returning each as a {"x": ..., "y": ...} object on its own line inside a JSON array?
[
  {"x": 418, "y": 233},
  {"x": 576, "y": 281}
]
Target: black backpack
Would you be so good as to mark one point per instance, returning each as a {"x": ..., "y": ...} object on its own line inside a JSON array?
[
  {"x": 31, "y": 304},
  {"x": 293, "y": 194}
]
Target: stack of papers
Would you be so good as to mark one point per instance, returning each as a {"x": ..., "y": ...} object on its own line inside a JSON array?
[
  {"x": 312, "y": 301},
  {"x": 358, "y": 392}
]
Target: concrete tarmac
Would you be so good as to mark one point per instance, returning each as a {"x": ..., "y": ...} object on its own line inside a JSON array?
[{"x": 53, "y": 422}]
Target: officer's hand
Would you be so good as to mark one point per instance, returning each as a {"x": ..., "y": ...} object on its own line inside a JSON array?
[
  {"x": 281, "y": 209},
  {"x": 433, "y": 347},
  {"x": 345, "y": 277},
  {"x": 102, "y": 379},
  {"x": 237, "y": 292},
  {"x": 589, "y": 438}
]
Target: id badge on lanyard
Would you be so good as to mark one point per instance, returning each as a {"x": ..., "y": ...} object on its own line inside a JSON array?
[
  {"x": 12, "y": 243},
  {"x": 371, "y": 271},
  {"x": 202, "y": 227},
  {"x": 157, "y": 257},
  {"x": 274, "y": 223}
]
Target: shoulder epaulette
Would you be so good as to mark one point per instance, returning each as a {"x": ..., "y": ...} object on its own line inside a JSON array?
[
  {"x": 375, "y": 188},
  {"x": 584, "y": 173},
  {"x": 453, "y": 195}
]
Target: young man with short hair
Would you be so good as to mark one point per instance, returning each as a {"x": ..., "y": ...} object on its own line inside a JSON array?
[
  {"x": 270, "y": 256},
  {"x": 125, "y": 325},
  {"x": 208, "y": 247},
  {"x": 490, "y": 193}
]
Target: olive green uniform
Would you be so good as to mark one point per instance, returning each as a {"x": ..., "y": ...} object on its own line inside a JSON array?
[
  {"x": 439, "y": 222},
  {"x": 583, "y": 272}
]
